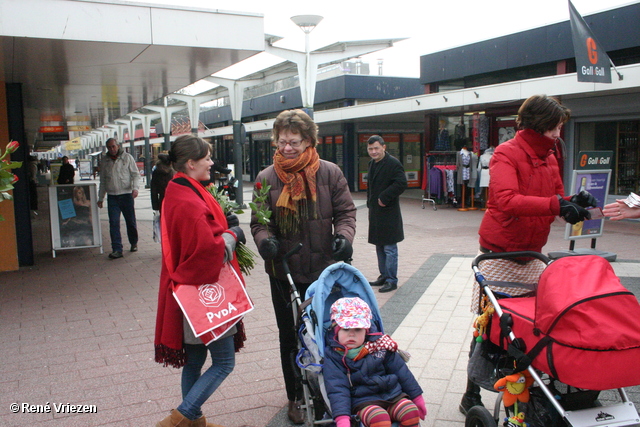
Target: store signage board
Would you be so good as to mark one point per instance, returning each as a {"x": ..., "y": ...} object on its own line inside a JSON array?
[
  {"x": 74, "y": 217},
  {"x": 51, "y": 129},
  {"x": 594, "y": 160},
  {"x": 596, "y": 182},
  {"x": 78, "y": 128}
]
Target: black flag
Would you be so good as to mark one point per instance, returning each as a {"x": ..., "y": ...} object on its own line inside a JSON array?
[{"x": 592, "y": 61}]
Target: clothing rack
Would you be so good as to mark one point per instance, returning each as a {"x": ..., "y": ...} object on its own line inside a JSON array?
[{"x": 441, "y": 160}]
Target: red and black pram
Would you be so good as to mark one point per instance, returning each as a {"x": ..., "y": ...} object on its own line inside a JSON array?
[{"x": 578, "y": 326}]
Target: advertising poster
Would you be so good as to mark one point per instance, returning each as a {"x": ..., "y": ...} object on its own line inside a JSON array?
[
  {"x": 74, "y": 216},
  {"x": 595, "y": 182},
  {"x": 84, "y": 168}
]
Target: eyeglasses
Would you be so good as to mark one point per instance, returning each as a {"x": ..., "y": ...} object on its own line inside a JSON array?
[{"x": 293, "y": 144}]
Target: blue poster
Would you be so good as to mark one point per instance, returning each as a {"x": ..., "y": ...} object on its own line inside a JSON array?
[{"x": 67, "y": 210}]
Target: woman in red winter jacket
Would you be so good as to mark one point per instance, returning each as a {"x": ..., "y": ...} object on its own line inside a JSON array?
[{"x": 526, "y": 195}]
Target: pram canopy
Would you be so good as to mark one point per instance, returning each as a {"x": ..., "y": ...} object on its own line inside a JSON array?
[
  {"x": 338, "y": 281},
  {"x": 581, "y": 327}
]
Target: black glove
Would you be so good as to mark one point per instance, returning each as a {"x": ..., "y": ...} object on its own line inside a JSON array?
[
  {"x": 584, "y": 199},
  {"x": 232, "y": 220},
  {"x": 342, "y": 249},
  {"x": 572, "y": 213},
  {"x": 268, "y": 248},
  {"x": 239, "y": 234}
]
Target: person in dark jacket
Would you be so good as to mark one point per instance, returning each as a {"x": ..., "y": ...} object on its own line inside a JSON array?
[
  {"x": 66, "y": 172},
  {"x": 160, "y": 177},
  {"x": 364, "y": 374},
  {"x": 386, "y": 180}
]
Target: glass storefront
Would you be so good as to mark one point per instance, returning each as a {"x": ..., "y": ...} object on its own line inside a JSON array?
[
  {"x": 406, "y": 147},
  {"x": 620, "y": 137}
]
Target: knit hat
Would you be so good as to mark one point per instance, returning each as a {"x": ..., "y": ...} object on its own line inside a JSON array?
[{"x": 351, "y": 313}]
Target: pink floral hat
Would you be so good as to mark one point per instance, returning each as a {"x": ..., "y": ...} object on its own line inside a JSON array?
[{"x": 351, "y": 313}]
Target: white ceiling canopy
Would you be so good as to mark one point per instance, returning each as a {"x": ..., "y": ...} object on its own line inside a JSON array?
[{"x": 104, "y": 59}]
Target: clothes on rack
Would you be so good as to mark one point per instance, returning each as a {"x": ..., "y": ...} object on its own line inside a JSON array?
[
  {"x": 439, "y": 178},
  {"x": 483, "y": 132}
]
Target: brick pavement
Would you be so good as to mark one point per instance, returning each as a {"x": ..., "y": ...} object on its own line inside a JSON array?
[{"x": 78, "y": 328}]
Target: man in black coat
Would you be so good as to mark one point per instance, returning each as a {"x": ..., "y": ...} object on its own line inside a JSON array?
[
  {"x": 67, "y": 172},
  {"x": 386, "y": 180}
]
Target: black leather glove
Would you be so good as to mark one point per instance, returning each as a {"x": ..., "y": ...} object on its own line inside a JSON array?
[
  {"x": 584, "y": 199},
  {"x": 571, "y": 212},
  {"x": 341, "y": 248},
  {"x": 268, "y": 248},
  {"x": 232, "y": 220},
  {"x": 239, "y": 234}
]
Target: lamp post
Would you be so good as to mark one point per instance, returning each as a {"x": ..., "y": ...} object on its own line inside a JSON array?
[{"x": 307, "y": 23}]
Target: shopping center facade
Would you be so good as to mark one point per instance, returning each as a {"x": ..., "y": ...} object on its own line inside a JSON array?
[{"x": 466, "y": 96}]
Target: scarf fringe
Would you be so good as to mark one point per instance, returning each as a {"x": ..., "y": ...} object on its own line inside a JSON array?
[
  {"x": 167, "y": 356},
  {"x": 289, "y": 221},
  {"x": 178, "y": 358}
]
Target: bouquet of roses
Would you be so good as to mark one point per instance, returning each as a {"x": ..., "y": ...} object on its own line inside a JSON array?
[
  {"x": 244, "y": 255},
  {"x": 7, "y": 178}
]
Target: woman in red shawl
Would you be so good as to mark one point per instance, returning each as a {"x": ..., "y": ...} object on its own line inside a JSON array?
[{"x": 196, "y": 242}]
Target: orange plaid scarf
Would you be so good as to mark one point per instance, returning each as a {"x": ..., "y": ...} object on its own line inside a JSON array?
[{"x": 299, "y": 178}]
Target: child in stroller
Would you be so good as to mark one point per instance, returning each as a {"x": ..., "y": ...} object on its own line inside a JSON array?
[
  {"x": 364, "y": 373},
  {"x": 317, "y": 326}
]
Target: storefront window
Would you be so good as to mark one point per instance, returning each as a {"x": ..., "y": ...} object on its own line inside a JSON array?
[
  {"x": 622, "y": 139},
  {"x": 411, "y": 158}
]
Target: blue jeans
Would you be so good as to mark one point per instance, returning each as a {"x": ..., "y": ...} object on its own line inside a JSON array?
[
  {"x": 116, "y": 204},
  {"x": 388, "y": 262},
  {"x": 197, "y": 388}
]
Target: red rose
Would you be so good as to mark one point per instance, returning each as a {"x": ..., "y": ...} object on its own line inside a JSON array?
[
  {"x": 258, "y": 185},
  {"x": 12, "y": 146},
  {"x": 15, "y": 179}
]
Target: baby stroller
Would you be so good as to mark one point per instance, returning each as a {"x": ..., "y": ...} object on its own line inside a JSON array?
[
  {"x": 573, "y": 335},
  {"x": 313, "y": 319}
]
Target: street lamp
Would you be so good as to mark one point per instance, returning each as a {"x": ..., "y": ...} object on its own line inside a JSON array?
[{"x": 307, "y": 23}]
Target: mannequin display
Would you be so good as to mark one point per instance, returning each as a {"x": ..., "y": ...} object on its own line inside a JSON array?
[
  {"x": 466, "y": 165},
  {"x": 483, "y": 171},
  {"x": 483, "y": 167}
]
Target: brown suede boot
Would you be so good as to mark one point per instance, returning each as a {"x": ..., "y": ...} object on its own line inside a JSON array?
[
  {"x": 202, "y": 422},
  {"x": 175, "y": 419}
]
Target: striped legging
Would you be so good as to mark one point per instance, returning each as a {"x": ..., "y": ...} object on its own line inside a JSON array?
[{"x": 404, "y": 411}]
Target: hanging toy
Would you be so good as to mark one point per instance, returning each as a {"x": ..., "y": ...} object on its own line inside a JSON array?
[
  {"x": 515, "y": 388},
  {"x": 481, "y": 323},
  {"x": 516, "y": 421}
]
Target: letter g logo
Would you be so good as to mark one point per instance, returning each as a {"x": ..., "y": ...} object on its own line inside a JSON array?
[
  {"x": 583, "y": 160},
  {"x": 592, "y": 51}
]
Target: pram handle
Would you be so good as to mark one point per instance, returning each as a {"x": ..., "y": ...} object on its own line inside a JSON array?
[
  {"x": 509, "y": 255},
  {"x": 285, "y": 259}
]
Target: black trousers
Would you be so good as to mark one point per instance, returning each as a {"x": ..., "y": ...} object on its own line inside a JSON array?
[{"x": 281, "y": 298}]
